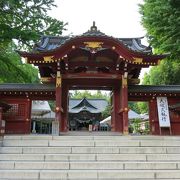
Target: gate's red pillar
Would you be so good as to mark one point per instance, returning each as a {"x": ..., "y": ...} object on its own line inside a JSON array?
[
  {"x": 64, "y": 120},
  {"x": 28, "y": 115},
  {"x": 116, "y": 119},
  {"x": 59, "y": 99},
  {"x": 124, "y": 105},
  {"x": 153, "y": 117}
]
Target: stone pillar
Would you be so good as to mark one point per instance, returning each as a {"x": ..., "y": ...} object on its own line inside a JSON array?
[
  {"x": 34, "y": 127},
  {"x": 58, "y": 101},
  {"x": 124, "y": 105}
]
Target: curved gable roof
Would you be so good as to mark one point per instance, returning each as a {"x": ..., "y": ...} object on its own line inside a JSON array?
[
  {"x": 84, "y": 103},
  {"x": 91, "y": 105},
  {"x": 50, "y": 43}
]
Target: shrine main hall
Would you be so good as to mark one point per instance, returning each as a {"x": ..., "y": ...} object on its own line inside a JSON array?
[{"x": 97, "y": 61}]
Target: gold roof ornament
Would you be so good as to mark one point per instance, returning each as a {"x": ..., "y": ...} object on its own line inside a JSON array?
[{"x": 93, "y": 45}]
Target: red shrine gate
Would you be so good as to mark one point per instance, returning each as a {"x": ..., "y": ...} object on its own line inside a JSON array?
[{"x": 92, "y": 60}]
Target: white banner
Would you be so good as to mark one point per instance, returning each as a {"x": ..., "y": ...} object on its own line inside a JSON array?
[{"x": 163, "y": 112}]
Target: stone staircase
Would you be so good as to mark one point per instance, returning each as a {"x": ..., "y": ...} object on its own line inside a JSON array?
[{"x": 90, "y": 157}]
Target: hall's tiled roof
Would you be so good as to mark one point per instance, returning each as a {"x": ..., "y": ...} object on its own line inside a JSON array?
[
  {"x": 49, "y": 43},
  {"x": 91, "y": 105}
]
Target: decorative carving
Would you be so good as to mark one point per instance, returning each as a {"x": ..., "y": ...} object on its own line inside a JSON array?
[
  {"x": 93, "y": 45},
  {"x": 46, "y": 79},
  {"x": 137, "y": 60},
  {"x": 124, "y": 82},
  {"x": 57, "y": 109},
  {"x": 126, "y": 109},
  {"x": 58, "y": 79},
  {"x": 133, "y": 81},
  {"x": 48, "y": 59}
]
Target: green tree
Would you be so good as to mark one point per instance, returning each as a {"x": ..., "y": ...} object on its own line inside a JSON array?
[
  {"x": 139, "y": 107},
  {"x": 161, "y": 18},
  {"x": 168, "y": 72},
  {"x": 143, "y": 107},
  {"x": 88, "y": 94},
  {"x": 107, "y": 112},
  {"x": 14, "y": 71},
  {"x": 23, "y": 22},
  {"x": 26, "y": 21}
]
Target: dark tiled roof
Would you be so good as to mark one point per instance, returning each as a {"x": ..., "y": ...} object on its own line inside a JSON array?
[
  {"x": 51, "y": 87},
  {"x": 175, "y": 106},
  {"x": 49, "y": 43},
  {"x": 155, "y": 89},
  {"x": 26, "y": 87},
  {"x": 91, "y": 105}
]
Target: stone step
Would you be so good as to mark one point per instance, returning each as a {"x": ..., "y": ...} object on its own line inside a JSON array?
[
  {"x": 74, "y": 157},
  {"x": 96, "y": 143},
  {"x": 21, "y": 165},
  {"x": 90, "y": 150},
  {"x": 123, "y": 150},
  {"x": 16, "y": 143},
  {"x": 90, "y": 157},
  {"x": 55, "y": 143},
  {"x": 89, "y": 174},
  {"x": 89, "y": 137},
  {"x": 138, "y": 157}
]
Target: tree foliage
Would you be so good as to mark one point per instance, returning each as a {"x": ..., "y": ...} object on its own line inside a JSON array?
[
  {"x": 27, "y": 20},
  {"x": 139, "y": 107},
  {"x": 14, "y": 71},
  {"x": 168, "y": 72},
  {"x": 161, "y": 18},
  {"x": 22, "y": 23},
  {"x": 88, "y": 94}
]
